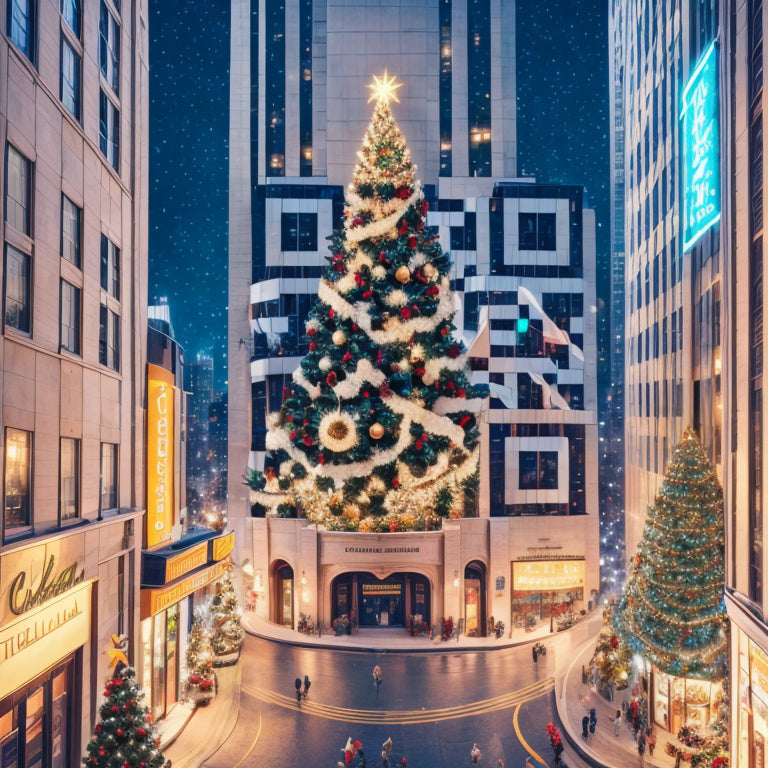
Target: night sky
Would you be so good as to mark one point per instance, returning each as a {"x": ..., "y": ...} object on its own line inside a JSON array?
[
  {"x": 563, "y": 135},
  {"x": 189, "y": 171}
]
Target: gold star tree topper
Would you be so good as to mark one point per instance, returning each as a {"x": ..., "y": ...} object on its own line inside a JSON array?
[{"x": 384, "y": 88}]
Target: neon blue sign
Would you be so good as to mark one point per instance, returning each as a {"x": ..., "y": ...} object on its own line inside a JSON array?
[{"x": 700, "y": 132}]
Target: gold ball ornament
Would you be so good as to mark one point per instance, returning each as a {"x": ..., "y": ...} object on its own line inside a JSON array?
[
  {"x": 403, "y": 274},
  {"x": 339, "y": 337},
  {"x": 376, "y": 431},
  {"x": 429, "y": 271}
]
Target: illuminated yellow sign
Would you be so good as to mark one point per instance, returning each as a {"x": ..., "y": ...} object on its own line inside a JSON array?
[
  {"x": 154, "y": 600},
  {"x": 160, "y": 460},
  {"x": 223, "y": 546},
  {"x": 759, "y": 667},
  {"x": 40, "y": 638},
  {"x": 187, "y": 561},
  {"x": 547, "y": 575}
]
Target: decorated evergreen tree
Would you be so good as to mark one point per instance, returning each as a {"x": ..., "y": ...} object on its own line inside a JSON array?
[
  {"x": 612, "y": 658},
  {"x": 672, "y": 610},
  {"x": 200, "y": 675},
  {"x": 124, "y": 737},
  {"x": 228, "y": 634},
  {"x": 378, "y": 429}
]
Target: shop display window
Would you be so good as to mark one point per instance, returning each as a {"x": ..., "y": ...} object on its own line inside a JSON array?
[
  {"x": 35, "y": 723},
  {"x": 679, "y": 701}
]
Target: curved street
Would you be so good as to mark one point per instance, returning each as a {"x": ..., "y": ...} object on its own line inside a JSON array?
[{"x": 433, "y": 705}]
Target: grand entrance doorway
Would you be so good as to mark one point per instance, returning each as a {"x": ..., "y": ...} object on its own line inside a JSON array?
[{"x": 373, "y": 602}]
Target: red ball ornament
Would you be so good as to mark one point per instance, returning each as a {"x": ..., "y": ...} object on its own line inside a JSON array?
[
  {"x": 115, "y": 708},
  {"x": 308, "y": 441},
  {"x": 310, "y": 332},
  {"x": 321, "y": 458},
  {"x": 419, "y": 445},
  {"x": 461, "y": 393},
  {"x": 331, "y": 313},
  {"x": 395, "y": 483},
  {"x": 412, "y": 242},
  {"x": 102, "y": 751},
  {"x": 291, "y": 437},
  {"x": 312, "y": 345},
  {"x": 405, "y": 313},
  {"x": 119, "y": 731},
  {"x": 141, "y": 732},
  {"x": 444, "y": 330},
  {"x": 453, "y": 352},
  {"x": 464, "y": 420},
  {"x": 331, "y": 379}
]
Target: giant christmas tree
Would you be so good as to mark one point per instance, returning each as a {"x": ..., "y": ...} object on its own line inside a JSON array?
[
  {"x": 378, "y": 429},
  {"x": 672, "y": 610}
]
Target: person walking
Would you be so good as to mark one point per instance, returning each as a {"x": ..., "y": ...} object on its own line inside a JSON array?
[
  {"x": 386, "y": 748},
  {"x": 592, "y": 720},
  {"x": 651, "y": 740},
  {"x": 475, "y": 754},
  {"x": 307, "y": 683},
  {"x": 585, "y": 727},
  {"x": 617, "y": 723},
  {"x": 535, "y": 653},
  {"x": 377, "y": 678},
  {"x": 297, "y": 683}
]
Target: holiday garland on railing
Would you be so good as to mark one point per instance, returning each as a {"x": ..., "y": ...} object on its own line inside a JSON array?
[{"x": 378, "y": 429}]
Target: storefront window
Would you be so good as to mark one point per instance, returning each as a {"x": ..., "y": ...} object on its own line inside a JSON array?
[
  {"x": 171, "y": 662},
  {"x": 678, "y": 701},
  {"x": 9, "y": 739},
  {"x": 158, "y": 666},
  {"x": 34, "y": 735}
]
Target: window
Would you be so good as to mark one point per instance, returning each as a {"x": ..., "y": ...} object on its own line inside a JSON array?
[
  {"x": 18, "y": 472},
  {"x": 70, "y": 78},
  {"x": 538, "y": 470},
  {"x": 108, "y": 490},
  {"x": 537, "y": 232},
  {"x": 17, "y": 291},
  {"x": 109, "y": 130},
  {"x": 110, "y": 267},
  {"x": 70, "y": 318},
  {"x": 72, "y": 13},
  {"x": 298, "y": 232},
  {"x": 71, "y": 231},
  {"x": 69, "y": 478},
  {"x": 18, "y": 191},
  {"x": 109, "y": 338},
  {"x": 21, "y": 22},
  {"x": 109, "y": 48}
]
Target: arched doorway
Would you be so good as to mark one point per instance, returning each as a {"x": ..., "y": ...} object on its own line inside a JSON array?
[
  {"x": 475, "y": 621},
  {"x": 373, "y": 602},
  {"x": 283, "y": 593}
]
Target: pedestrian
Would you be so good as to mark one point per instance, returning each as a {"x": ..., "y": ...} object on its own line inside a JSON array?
[
  {"x": 678, "y": 758},
  {"x": 386, "y": 748},
  {"x": 297, "y": 683},
  {"x": 475, "y": 754},
  {"x": 377, "y": 677},
  {"x": 307, "y": 683},
  {"x": 641, "y": 744},
  {"x": 651, "y": 739},
  {"x": 585, "y": 727},
  {"x": 617, "y": 723},
  {"x": 535, "y": 654},
  {"x": 592, "y": 720}
]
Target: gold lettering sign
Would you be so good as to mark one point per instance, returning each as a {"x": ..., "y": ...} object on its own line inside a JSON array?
[
  {"x": 547, "y": 575},
  {"x": 187, "y": 561},
  {"x": 154, "y": 600},
  {"x": 44, "y": 636},
  {"x": 160, "y": 457},
  {"x": 759, "y": 668},
  {"x": 223, "y": 546}
]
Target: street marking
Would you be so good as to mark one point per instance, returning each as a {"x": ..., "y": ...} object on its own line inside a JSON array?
[
  {"x": 408, "y": 717},
  {"x": 525, "y": 744},
  {"x": 251, "y": 748}
]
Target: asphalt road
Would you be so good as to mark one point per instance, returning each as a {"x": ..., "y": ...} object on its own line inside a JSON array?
[{"x": 433, "y": 706}]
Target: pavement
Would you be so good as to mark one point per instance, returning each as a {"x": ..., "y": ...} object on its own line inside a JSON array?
[{"x": 188, "y": 737}]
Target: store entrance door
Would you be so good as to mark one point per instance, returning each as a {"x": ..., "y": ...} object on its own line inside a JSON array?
[{"x": 373, "y": 602}]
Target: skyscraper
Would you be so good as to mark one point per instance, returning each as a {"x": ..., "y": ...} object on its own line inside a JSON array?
[{"x": 523, "y": 254}]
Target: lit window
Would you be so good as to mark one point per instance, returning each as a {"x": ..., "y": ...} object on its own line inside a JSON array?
[
  {"x": 108, "y": 490},
  {"x": 71, "y": 229},
  {"x": 70, "y": 318},
  {"x": 69, "y": 478},
  {"x": 18, "y": 470}
]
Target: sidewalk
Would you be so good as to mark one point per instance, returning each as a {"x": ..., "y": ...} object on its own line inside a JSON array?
[{"x": 190, "y": 737}]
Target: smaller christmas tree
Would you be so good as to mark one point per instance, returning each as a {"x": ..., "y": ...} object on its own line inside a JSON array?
[
  {"x": 612, "y": 658},
  {"x": 228, "y": 634},
  {"x": 124, "y": 737},
  {"x": 672, "y": 610},
  {"x": 200, "y": 676}
]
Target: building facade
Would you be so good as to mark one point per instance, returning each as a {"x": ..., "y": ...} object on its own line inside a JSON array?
[
  {"x": 72, "y": 354},
  {"x": 524, "y": 276},
  {"x": 744, "y": 427}
]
